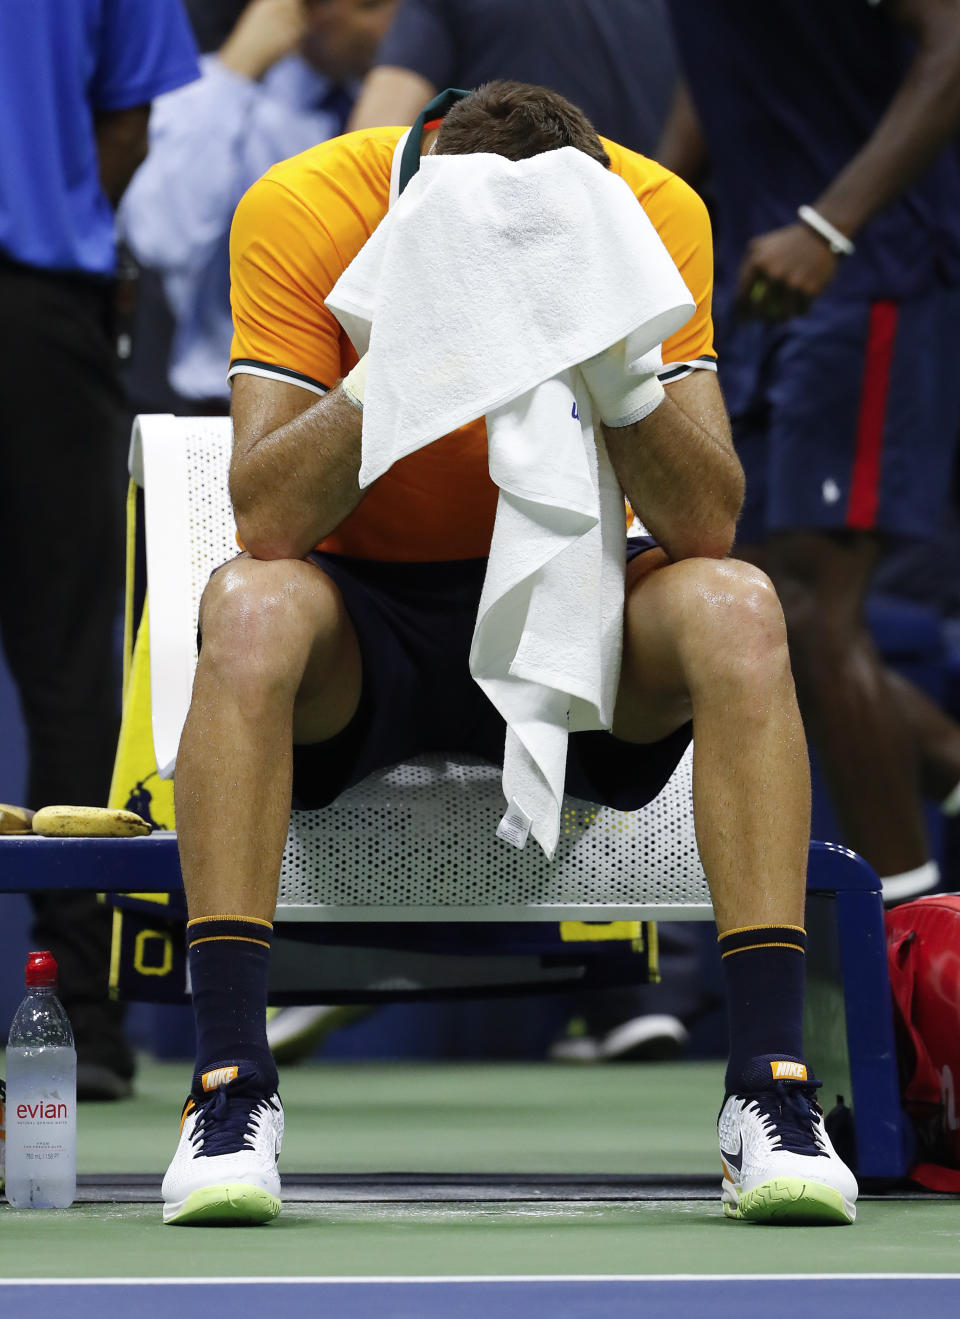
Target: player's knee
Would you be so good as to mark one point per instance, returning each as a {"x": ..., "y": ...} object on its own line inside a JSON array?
[
  {"x": 738, "y": 630},
  {"x": 260, "y": 620}
]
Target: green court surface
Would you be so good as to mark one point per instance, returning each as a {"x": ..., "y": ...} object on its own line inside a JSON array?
[{"x": 352, "y": 1125}]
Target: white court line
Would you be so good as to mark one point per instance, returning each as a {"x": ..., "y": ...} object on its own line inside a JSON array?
[{"x": 474, "y": 1279}]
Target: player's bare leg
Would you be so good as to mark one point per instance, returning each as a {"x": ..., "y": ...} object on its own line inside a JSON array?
[
  {"x": 279, "y": 663},
  {"x": 706, "y": 639}
]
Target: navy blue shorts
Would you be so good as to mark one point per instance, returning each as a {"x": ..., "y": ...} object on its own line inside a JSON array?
[
  {"x": 847, "y": 417},
  {"x": 415, "y": 623}
]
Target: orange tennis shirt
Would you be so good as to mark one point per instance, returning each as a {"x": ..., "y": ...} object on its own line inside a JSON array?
[{"x": 295, "y": 232}]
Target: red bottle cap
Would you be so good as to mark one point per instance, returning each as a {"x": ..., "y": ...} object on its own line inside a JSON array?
[{"x": 41, "y": 970}]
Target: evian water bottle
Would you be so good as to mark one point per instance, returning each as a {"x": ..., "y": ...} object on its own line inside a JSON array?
[{"x": 41, "y": 1095}]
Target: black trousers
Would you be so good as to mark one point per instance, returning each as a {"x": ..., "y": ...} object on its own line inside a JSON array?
[{"x": 63, "y": 435}]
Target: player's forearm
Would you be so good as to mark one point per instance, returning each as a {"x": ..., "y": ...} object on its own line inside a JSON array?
[
  {"x": 922, "y": 117},
  {"x": 298, "y": 482},
  {"x": 684, "y": 482}
]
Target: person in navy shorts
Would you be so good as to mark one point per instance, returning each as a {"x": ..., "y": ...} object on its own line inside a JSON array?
[{"x": 836, "y": 196}]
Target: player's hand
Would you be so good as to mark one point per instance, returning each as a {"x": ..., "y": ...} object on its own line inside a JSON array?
[
  {"x": 782, "y": 272},
  {"x": 265, "y": 32},
  {"x": 621, "y": 396}
]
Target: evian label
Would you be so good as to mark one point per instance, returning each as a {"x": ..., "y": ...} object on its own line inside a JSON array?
[
  {"x": 43, "y": 1110},
  {"x": 41, "y": 1127}
]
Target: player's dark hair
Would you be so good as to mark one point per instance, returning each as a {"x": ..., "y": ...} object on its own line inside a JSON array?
[{"x": 517, "y": 120}]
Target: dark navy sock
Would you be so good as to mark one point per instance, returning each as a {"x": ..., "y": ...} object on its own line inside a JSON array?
[
  {"x": 229, "y": 958},
  {"x": 765, "y": 969}
]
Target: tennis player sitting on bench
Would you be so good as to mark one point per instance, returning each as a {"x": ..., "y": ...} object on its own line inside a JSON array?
[{"x": 318, "y": 666}]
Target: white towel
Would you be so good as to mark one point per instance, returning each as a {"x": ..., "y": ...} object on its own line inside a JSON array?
[{"x": 479, "y": 293}]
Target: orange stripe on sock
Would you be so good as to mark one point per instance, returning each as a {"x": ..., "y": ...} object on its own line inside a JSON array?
[
  {"x": 751, "y": 947},
  {"x": 253, "y": 920},
  {"x": 228, "y": 938},
  {"x": 768, "y": 925}
]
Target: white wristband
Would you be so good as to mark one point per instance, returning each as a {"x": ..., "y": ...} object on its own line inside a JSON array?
[
  {"x": 839, "y": 244},
  {"x": 354, "y": 383},
  {"x": 620, "y": 396},
  {"x": 645, "y": 397}
]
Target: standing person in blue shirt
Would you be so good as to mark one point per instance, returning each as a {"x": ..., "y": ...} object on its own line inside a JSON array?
[
  {"x": 837, "y": 307},
  {"x": 282, "y": 81},
  {"x": 76, "y": 82}
]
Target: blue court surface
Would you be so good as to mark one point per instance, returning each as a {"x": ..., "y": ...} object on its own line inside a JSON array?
[{"x": 785, "y": 1296}]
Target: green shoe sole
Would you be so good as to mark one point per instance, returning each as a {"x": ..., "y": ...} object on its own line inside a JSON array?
[
  {"x": 792, "y": 1200},
  {"x": 233, "y": 1204}
]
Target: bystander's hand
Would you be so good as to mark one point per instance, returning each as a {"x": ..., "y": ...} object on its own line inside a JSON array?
[
  {"x": 265, "y": 32},
  {"x": 783, "y": 271}
]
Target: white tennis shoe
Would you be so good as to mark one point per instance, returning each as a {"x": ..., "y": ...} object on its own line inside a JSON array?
[
  {"x": 225, "y": 1167},
  {"x": 779, "y": 1165}
]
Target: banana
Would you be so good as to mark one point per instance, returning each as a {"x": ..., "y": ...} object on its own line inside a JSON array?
[
  {"x": 15, "y": 819},
  {"x": 88, "y": 822}
]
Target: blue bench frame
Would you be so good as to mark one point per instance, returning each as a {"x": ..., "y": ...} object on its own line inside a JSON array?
[{"x": 151, "y": 865}]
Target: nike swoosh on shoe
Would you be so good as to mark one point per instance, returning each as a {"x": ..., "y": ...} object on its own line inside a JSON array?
[{"x": 734, "y": 1160}]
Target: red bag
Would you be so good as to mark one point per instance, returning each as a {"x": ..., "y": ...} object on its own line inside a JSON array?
[{"x": 923, "y": 951}]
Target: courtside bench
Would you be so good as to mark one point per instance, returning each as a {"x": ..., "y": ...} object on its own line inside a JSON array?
[{"x": 415, "y": 845}]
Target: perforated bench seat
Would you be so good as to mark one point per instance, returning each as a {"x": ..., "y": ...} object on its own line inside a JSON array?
[{"x": 420, "y": 840}]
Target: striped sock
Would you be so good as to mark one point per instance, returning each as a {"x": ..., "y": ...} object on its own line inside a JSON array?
[
  {"x": 229, "y": 958},
  {"x": 765, "y": 968}
]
